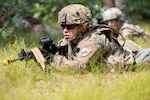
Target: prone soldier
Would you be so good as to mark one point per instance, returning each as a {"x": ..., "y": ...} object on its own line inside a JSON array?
[
  {"x": 114, "y": 18},
  {"x": 86, "y": 43}
]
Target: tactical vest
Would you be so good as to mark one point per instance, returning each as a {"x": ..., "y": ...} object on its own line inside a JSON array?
[
  {"x": 114, "y": 49},
  {"x": 117, "y": 56},
  {"x": 111, "y": 34}
]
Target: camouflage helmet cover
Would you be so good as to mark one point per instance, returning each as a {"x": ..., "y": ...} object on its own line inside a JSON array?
[
  {"x": 112, "y": 13},
  {"x": 74, "y": 14}
]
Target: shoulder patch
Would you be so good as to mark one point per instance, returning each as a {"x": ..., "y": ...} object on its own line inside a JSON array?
[{"x": 85, "y": 51}]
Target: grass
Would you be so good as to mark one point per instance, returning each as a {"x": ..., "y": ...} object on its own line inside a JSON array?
[{"x": 20, "y": 82}]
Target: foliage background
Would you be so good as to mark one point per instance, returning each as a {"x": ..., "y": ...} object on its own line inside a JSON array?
[
  {"x": 46, "y": 12},
  {"x": 18, "y": 81},
  {"x": 47, "y": 9}
]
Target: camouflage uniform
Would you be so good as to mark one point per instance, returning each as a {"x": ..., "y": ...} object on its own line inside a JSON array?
[
  {"x": 95, "y": 45},
  {"x": 128, "y": 30}
]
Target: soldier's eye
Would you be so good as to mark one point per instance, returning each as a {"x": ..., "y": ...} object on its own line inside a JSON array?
[{"x": 69, "y": 27}]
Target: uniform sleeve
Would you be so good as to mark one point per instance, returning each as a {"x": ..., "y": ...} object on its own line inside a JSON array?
[
  {"x": 91, "y": 49},
  {"x": 131, "y": 30},
  {"x": 60, "y": 61}
]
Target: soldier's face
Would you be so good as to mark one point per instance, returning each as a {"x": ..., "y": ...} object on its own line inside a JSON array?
[
  {"x": 114, "y": 24},
  {"x": 70, "y": 31}
]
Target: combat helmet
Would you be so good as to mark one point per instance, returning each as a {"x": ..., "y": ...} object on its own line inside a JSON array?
[
  {"x": 75, "y": 14},
  {"x": 112, "y": 13}
]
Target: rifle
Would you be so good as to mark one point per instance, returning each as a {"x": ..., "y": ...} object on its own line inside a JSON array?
[
  {"x": 100, "y": 20},
  {"x": 48, "y": 50}
]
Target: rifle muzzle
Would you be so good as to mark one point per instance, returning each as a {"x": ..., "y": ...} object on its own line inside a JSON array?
[{"x": 6, "y": 62}]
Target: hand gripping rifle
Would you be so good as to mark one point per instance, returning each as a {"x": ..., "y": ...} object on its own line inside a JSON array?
[{"x": 47, "y": 51}]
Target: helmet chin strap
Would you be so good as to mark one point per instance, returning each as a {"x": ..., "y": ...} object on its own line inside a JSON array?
[{"x": 78, "y": 35}]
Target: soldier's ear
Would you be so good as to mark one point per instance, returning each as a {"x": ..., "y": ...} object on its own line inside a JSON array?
[{"x": 83, "y": 28}]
